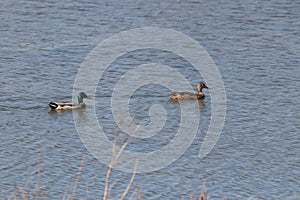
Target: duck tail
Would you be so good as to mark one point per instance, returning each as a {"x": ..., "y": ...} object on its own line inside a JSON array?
[{"x": 53, "y": 105}]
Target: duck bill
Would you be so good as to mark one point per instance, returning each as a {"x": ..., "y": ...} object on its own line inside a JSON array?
[{"x": 89, "y": 97}]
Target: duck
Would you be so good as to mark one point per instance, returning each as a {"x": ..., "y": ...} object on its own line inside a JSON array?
[
  {"x": 70, "y": 106},
  {"x": 182, "y": 96}
]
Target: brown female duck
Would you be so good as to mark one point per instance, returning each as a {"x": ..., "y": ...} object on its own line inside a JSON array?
[{"x": 182, "y": 96}]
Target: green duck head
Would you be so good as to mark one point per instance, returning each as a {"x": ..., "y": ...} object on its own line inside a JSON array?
[{"x": 81, "y": 96}]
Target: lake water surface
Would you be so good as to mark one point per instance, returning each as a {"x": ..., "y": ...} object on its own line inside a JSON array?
[{"x": 255, "y": 45}]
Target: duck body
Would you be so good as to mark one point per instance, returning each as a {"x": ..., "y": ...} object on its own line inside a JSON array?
[
  {"x": 66, "y": 106},
  {"x": 70, "y": 106},
  {"x": 184, "y": 96}
]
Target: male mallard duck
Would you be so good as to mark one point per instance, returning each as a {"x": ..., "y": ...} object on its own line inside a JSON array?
[
  {"x": 70, "y": 106},
  {"x": 181, "y": 96}
]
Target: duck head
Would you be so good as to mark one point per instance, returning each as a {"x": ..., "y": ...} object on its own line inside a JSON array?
[
  {"x": 200, "y": 86},
  {"x": 81, "y": 96}
]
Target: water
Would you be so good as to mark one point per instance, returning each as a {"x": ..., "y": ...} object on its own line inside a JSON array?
[{"x": 255, "y": 46}]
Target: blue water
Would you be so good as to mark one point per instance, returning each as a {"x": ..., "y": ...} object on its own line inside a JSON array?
[{"x": 255, "y": 46}]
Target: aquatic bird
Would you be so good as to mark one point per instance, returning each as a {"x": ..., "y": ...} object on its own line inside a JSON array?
[
  {"x": 70, "y": 106},
  {"x": 181, "y": 96}
]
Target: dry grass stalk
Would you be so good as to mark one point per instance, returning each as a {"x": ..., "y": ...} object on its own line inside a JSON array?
[
  {"x": 125, "y": 144},
  {"x": 37, "y": 189},
  {"x": 106, "y": 189},
  {"x": 23, "y": 193},
  {"x": 105, "y": 195},
  {"x": 110, "y": 188},
  {"x": 203, "y": 195},
  {"x": 115, "y": 156},
  {"x": 130, "y": 182},
  {"x": 77, "y": 178},
  {"x": 138, "y": 194},
  {"x": 15, "y": 193},
  {"x": 110, "y": 166}
]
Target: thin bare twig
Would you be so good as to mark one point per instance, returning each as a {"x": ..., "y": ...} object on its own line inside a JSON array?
[
  {"x": 77, "y": 178},
  {"x": 116, "y": 137},
  {"x": 110, "y": 188},
  {"x": 23, "y": 193},
  {"x": 138, "y": 194},
  {"x": 15, "y": 193},
  {"x": 126, "y": 143},
  {"x": 112, "y": 161},
  {"x": 105, "y": 195},
  {"x": 37, "y": 189},
  {"x": 130, "y": 182},
  {"x": 203, "y": 195},
  {"x": 116, "y": 155}
]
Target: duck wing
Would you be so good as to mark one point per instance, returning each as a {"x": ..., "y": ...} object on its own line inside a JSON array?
[
  {"x": 178, "y": 96},
  {"x": 61, "y": 106}
]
